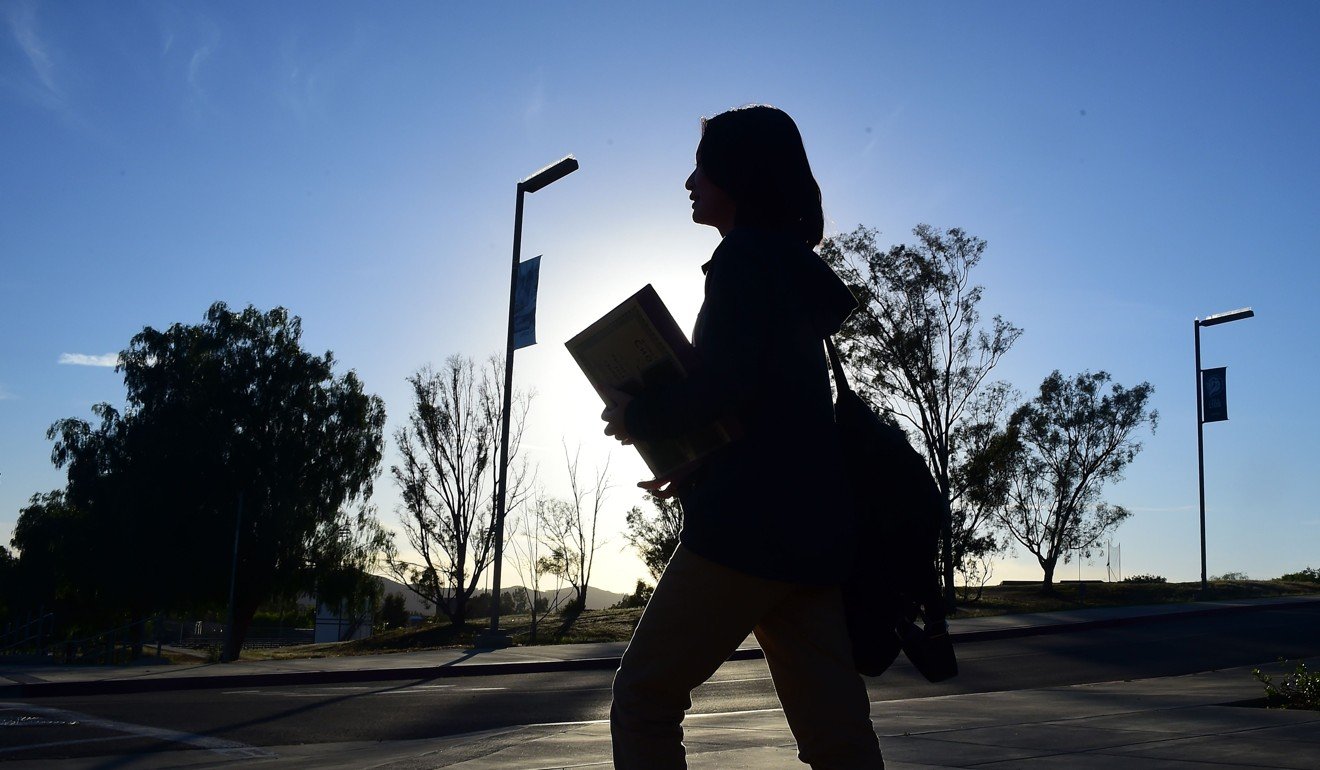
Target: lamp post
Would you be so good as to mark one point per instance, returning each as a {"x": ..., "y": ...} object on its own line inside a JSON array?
[
  {"x": 1197, "y": 323},
  {"x": 494, "y": 637}
]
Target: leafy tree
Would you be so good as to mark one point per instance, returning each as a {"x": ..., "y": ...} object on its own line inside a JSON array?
[
  {"x": 570, "y": 528},
  {"x": 1307, "y": 575},
  {"x": 231, "y": 431},
  {"x": 56, "y": 558},
  {"x": 9, "y": 585},
  {"x": 1067, "y": 442},
  {"x": 637, "y": 599},
  {"x": 917, "y": 347},
  {"x": 342, "y": 575},
  {"x": 393, "y": 612},
  {"x": 448, "y": 476},
  {"x": 655, "y": 537}
]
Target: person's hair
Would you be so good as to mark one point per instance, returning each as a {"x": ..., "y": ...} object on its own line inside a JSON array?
[{"x": 755, "y": 154}]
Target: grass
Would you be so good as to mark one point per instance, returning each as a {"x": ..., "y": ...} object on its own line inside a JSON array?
[
  {"x": 1025, "y": 598},
  {"x": 617, "y": 625}
]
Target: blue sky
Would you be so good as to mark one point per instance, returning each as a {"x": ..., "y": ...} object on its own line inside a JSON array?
[{"x": 1132, "y": 165}]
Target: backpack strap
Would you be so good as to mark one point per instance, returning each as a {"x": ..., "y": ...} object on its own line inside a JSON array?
[{"x": 840, "y": 379}]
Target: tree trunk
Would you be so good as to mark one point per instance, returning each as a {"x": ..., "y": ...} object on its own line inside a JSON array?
[
  {"x": 458, "y": 614},
  {"x": 1047, "y": 585},
  {"x": 243, "y": 615},
  {"x": 946, "y": 536}
]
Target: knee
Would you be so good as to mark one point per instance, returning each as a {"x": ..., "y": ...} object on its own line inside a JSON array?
[{"x": 640, "y": 696}]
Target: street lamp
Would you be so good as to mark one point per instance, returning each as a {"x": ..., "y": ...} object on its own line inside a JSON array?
[
  {"x": 1197, "y": 323},
  {"x": 494, "y": 637}
]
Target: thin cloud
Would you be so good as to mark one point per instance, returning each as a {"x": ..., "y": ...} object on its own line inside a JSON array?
[
  {"x": 5, "y": 395},
  {"x": 82, "y": 359},
  {"x": 21, "y": 19}
]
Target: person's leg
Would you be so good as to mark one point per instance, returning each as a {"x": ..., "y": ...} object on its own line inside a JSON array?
[
  {"x": 699, "y": 614},
  {"x": 806, "y": 645}
]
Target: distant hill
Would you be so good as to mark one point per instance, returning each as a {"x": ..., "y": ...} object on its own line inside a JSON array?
[{"x": 597, "y": 599}]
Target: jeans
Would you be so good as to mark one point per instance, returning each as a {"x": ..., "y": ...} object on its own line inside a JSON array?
[{"x": 699, "y": 614}]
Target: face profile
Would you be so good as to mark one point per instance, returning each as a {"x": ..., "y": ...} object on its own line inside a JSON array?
[{"x": 711, "y": 205}]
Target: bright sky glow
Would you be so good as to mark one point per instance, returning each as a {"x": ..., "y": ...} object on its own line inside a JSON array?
[{"x": 1132, "y": 165}]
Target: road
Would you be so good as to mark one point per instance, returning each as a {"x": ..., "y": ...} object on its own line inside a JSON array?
[{"x": 239, "y": 718}]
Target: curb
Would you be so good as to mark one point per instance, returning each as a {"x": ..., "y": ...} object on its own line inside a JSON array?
[{"x": 426, "y": 673}]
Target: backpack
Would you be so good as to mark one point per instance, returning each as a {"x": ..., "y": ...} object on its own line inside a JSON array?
[{"x": 893, "y": 580}]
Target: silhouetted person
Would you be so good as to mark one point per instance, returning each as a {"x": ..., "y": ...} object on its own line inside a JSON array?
[{"x": 767, "y": 534}]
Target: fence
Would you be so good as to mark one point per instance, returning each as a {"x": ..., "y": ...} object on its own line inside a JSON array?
[
  {"x": 122, "y": 644},
  {"x": 29, "y": 637}
]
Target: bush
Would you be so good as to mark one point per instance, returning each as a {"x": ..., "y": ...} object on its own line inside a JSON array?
[
  {"x": 1298, "y": 690},
  {"x": 1145, "y": 579},
  {"x": 640, "y": 596},
  {"x": 1308, "y": 575},
  {"x": 393, "y": 612},
  {"x": 1231, "y": 576}
]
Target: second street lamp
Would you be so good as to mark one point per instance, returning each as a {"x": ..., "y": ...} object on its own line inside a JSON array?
[
  {"x": 494, "y": 637},
  {"x": 1213, "y": 320}
]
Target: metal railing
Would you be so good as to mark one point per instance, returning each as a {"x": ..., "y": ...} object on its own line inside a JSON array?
[
  {"x": 121, "y": 644},
  {"x": 29, "y": 637}
]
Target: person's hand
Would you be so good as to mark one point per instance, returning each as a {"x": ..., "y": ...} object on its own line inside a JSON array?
[
  {"x": 663, "y": 489},
  {"x": 667, "y": 486},
  {"x": 614, "y": 415}
]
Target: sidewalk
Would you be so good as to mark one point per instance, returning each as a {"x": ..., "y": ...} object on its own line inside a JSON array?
[
  {"x": 1184, "y": 722},
  {"x": 28, "y": 681}
]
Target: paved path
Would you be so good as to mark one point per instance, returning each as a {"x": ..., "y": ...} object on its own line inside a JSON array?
[{"x": 1186, "y": 722}]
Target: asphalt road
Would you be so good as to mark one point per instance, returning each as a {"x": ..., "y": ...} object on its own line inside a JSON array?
[{"x": 242, "y": 719}]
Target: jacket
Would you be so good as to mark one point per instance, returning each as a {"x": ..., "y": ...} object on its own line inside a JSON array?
[{"x": 770, "y": 504}]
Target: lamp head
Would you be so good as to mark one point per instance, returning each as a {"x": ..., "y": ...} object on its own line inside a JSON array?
[
  {"x": 1223, "y": 318},
  {"x": 549, "y": 175}
]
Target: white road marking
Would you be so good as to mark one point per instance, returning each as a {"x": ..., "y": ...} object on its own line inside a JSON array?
[
  {"x": 57, "y": 744},
  {"x": 216, "y": 745}
]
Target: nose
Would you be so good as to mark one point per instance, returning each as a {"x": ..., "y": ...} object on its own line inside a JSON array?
[{"x": 688, "y": 184}]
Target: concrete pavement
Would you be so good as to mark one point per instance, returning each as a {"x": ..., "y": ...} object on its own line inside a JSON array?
[{"x": 1205, "y": 720}]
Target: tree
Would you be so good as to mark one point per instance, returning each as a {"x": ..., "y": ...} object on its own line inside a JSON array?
[
  {"x": 393, "y": 612},
  {"x": 571, "y": 532},
  {"x": 637, "y": 599},
  {"x": 983, "y": 478},
  {"x": 528, "y": 548},
  {"x": 450, "y": 452},
  {"x": 230, "y": 426},
  {"x": 348, "y": 553},
  {"x": 918, "y": 348},
  {"x": 57, "y": 563},
  {"x": 655, "y": 538},
  {"x": 9, "y": 585},
  {"x": 1066, "y": 443}
]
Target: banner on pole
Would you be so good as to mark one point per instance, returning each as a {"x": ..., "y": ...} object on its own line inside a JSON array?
[
  {"x": 1214, "y": 394},
  {"x": 524, "y": 303}
]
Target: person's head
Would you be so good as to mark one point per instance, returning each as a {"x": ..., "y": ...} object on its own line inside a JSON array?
[{"x": 754, "y": 159}]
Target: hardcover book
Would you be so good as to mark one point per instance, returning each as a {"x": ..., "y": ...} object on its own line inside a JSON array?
[{"x": 637, "y": 346}]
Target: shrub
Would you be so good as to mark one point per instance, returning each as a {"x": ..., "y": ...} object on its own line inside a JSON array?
[
  {"x": 1298, "y": 690},
  {"x": 1308, "y": 575},
  {"x": 1231, "y": 576},
  {"x": 1145, "y": 579},
  {"x": 640, "y": 596}
]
